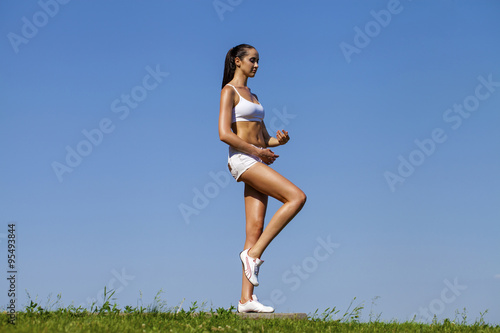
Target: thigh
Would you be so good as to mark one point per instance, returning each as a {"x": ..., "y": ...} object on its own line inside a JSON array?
[{"x": 268, "y": 181}]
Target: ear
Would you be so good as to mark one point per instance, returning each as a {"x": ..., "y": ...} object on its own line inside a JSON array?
[{"x": 237, "y": 61}]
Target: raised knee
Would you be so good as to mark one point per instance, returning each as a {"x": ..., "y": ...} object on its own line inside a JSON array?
[{"x": 300, "y": 199}]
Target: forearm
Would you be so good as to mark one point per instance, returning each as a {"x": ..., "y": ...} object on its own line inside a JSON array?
[
  {"x": 239, "y": 144},
  {"x": 272, "y": 142}
]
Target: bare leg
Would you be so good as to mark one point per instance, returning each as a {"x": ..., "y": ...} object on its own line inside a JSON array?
[
  {"x": 255, "y": 211},
  {"x": 269, "y": 182}
]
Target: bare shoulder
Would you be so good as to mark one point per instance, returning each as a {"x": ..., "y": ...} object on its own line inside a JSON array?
[{"x": 227, "y": 91}]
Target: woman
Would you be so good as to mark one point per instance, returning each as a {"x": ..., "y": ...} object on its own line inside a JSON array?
[{"x": 241, "y": 126}]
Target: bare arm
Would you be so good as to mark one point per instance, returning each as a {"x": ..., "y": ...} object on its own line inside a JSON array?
[
  {"x": 227, "y": 135},
  {"x": 280, "y": 139}
]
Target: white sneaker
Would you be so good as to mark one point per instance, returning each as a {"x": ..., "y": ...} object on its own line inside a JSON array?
[
  {"x": 251, "y": 267},
  {"x": 253, "y": 305}
]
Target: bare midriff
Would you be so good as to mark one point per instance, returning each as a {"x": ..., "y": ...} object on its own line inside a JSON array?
[{"x": 249, "y": 131}]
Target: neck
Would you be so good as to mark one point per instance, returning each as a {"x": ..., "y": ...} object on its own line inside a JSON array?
[{"x": 240, "y": 79}]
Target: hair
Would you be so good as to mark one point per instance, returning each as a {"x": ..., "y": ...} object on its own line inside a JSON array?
[{"x": 239, "y": 51}]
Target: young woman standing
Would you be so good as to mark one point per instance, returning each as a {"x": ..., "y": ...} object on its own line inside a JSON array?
[{"x": 241, "y": 126}]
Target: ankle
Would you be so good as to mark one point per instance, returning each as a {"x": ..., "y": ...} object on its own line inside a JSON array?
[
  {"x": 244, "y": 300},
  {"x": 252, "y": 254}
]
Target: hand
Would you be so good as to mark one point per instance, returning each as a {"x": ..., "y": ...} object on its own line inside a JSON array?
[
  {"x": 267, "y": 156},
  {"x": 282, "y": 137}
]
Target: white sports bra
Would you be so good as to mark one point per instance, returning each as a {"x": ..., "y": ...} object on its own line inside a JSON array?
[{"x": 246, "y": 110}]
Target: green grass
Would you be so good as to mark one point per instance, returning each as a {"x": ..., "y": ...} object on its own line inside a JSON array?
[{"x": 158, "y": 318}]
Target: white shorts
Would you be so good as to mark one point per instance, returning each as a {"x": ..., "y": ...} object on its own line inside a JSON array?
[{"x": 239, "y": 162}]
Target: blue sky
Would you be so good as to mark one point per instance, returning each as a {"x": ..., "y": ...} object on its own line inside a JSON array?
[{"x": 113, "y": 171}]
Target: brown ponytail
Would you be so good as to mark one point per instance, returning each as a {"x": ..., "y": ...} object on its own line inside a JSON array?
[{"x": 239, "y": 51}]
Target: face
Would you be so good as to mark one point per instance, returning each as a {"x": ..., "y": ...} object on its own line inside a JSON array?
[{"x": 249, "y": 64}]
